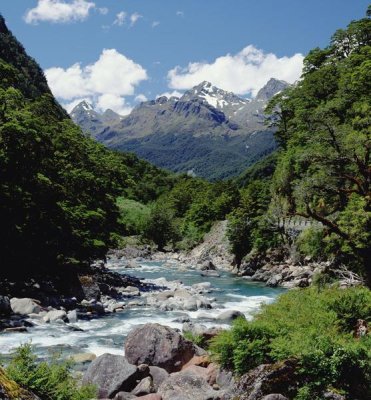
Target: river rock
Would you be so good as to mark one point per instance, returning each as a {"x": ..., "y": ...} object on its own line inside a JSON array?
[
  {"x": 274, "y": 396},
  {"x": 158, "y": 345},
  {"x": 230, "y": 315},
  {"x": 200, "y": 330},
  {"x": 208, "y": 266},
  {"x": 152, "y": 396},
  {"x": 124, "y": 396},
  {"x": 82, "y": 358},
  {"x": 5, "y": 308},
  {"x": 158, "y": 376},
  {"x": 55, "y": 315},
  {"x": 145, "y": 386},
  {"x": 24, "y": 306},
  {"x": 112, "y": 374},
  {"x": 266, "y": 379},
  {"x": 186, "y": 385},
  {"x": 72, "y": 316}
]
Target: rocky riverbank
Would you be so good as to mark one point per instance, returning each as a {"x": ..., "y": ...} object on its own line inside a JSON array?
[
  {"x": 160, "y": 364},
  {"x": 90, "y": 293}
]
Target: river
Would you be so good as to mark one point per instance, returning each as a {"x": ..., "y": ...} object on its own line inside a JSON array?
[{"x": 107, "y": 334}]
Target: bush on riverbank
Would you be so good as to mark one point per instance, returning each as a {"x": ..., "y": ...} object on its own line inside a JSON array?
[
  {"x": 52, "y": 380},
  {"x": 315, "y": 327}
]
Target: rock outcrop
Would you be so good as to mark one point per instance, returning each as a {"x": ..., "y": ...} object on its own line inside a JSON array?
[
  {"x": 113, "y": 374},
  {"x": 159, "y": 346}
]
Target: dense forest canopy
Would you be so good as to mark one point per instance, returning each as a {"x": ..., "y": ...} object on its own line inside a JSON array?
[{"x": 58, "y": 188}]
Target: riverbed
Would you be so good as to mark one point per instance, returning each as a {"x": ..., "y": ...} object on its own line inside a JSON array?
[{"x": 107, "y": 334}]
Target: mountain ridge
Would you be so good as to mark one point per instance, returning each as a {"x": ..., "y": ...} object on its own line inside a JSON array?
[{"x": 215, "y": 133}]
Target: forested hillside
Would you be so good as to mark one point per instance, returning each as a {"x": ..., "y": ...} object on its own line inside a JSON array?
[
  {"x": 320, "y": 175},
  {"x": 58, "y": 188}
]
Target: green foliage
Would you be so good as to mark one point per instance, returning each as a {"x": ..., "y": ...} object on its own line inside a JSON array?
[
  {"x": 247, "y": 223},
  {"x": 311, "y": 243},
  {"x": 134, "y": 216},
  {"x": 198, "y": 340},
  {"x": 52, "y": 380},
  {"x": 323, "y": 169},
  {"x": 313, "y": 327}
]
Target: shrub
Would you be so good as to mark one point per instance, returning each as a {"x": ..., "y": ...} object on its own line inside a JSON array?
[
  {"x": 312, "y": 327},
  {"x": 52, "y": 380}
]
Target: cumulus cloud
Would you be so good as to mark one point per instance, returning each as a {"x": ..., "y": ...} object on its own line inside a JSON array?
[
  {"x": 113, "y": 102},
  {"x": 243, "y": 73},
  {"x": 140, "y": 98},
  {"x": 59, "y": 11},
  {"x": 134, "y": 18},
  {"x": 103, "y": 10},
  {"x": 155, "y": 23},
  {"x": 174, "y": 93},
  {"x": 120, "y": 18},
  {"x": 104, "y": 82}
]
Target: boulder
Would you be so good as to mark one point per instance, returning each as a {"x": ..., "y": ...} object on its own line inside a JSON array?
[
  {"x": 82, "y": 358},
  {"x": 112, "y": 374},
  {"x": 89, "y": 287},
  {"x": 145, "y": 386},
  {"x": 274, "y": 396},
  {"x": 152, "y": 396},
  {"x": 124, "y": 396},
  {"x": 158, "y": 345},
  {"x": 267, "y": 379},
  {"x": 72, "y": 316},
  {"x": 24, "y": 306},
  {"x": 55, "y": 315},
  {"x": 158, "y": 376},
  {"x": 10, "y": 390},
  {"x": 187, "y": 385},
  {"x": 208, "y": 266},
  {"x": 5, "y": 308},
  {"x": 230, "y": 315}
]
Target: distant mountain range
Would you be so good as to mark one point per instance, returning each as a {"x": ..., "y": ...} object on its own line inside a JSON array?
[{"x": 208, "y": 131}]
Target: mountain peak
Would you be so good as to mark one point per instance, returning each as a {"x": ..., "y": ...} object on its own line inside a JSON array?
[
  {"x": 271, "y": 88},
  {"x": 224, "y": 101}
]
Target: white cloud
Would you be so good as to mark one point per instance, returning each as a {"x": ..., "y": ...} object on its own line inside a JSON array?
[
  {"x": 134, "y": 18},
  {"x": 174, "y": 93},
  {"x": 105, "y": 82},
  {"x": 120, "y": 18},
  {"x": 59, "y": 11},
  {"x": 180, "y": 13},
  {"x": 103, "y": 10},
  {"x": 243, "y": 73},
  {"x": 113, "y": 102},
  {"x": 140, "y": 98},
  {"x": 155, "y": 23}
]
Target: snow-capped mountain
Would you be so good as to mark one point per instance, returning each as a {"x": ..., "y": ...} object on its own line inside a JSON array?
[
  {"x": 227, "y": 102},
  {"x": 215, "y": 133}
]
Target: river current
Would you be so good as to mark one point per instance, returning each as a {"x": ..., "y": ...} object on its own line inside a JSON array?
[{"x": 107, "y": 334}]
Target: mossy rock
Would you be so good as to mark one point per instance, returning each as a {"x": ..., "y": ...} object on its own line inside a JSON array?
[{"x": 10, "y": 390}]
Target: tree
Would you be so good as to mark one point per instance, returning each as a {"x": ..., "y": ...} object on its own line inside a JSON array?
[{"x": 324, "y": 170}]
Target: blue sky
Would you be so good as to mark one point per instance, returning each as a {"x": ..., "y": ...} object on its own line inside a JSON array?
[{"x": 116, "y": 53}]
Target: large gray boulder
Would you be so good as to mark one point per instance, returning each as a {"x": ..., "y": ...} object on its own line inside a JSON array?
[
  {"x": 158, "y": 345},
  {"x": 24, "y": 306},
  {"x": 187, "y": 385},
  {"x": 5, "y": 308},
  {"x": 55, "y": 315},
  {"x": 158, "y": 376},
  {"x": 112, "y": 374},
  {"x": 268, "y": 379}
]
